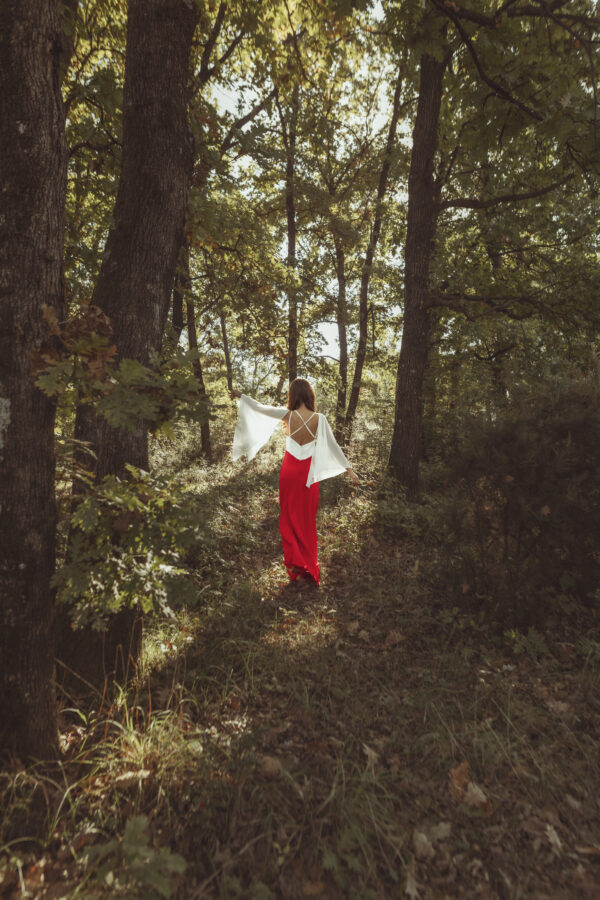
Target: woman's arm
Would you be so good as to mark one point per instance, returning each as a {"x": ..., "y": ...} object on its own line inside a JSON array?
[{"x": 255, "y": 425}]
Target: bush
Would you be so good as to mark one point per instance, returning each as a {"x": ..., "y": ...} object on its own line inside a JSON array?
[
  {"x": 522, "y": 516},
  {"x": 128, "y": 544},
  {"x": 511, "y": 523}
]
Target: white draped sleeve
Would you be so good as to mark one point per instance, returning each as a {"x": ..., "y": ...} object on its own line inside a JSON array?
[
  {"x": 327, "y": 459},
  {"x": 255, "y": 425}
]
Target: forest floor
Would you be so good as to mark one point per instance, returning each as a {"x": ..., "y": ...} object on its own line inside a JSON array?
[{"x": 357, "y": 741}]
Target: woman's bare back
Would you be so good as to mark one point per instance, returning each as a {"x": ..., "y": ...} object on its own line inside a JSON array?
[{"x": 301, "y": 425}]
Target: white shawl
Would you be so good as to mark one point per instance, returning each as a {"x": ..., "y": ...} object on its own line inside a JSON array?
[{"x": 256, "y": 424}]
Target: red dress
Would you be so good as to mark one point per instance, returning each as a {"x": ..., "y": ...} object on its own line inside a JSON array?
[
  {"x": 303, "y": 463},
  {"x": 298, "y": 518}
]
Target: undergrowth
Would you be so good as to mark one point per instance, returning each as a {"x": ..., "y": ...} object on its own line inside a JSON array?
[{"x": 372, "y": 739}]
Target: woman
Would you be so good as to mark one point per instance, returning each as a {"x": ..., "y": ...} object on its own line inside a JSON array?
[{"x": 312, "y": 454}]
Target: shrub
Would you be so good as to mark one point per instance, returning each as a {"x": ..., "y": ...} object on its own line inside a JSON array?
[
  {"x": 521, "y": 518},
  {"x": 128, "y": 543}
]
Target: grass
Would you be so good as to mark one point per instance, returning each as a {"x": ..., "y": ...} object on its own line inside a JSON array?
[{"x": 299, "y": 745}]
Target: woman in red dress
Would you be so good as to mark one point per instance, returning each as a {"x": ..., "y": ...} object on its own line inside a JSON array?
[{"x": 312, "y": 454}]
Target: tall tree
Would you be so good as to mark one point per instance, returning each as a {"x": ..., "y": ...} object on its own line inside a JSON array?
[
  {"x": 374, "y": 233},
  {"x": 138, "y": 267},
  {"x": 523, "y": 126},
  {"x": 137, "y": 272},
  {"x": 32, "y": 200},
  {"x": 289, "y": 133},
  {"x": 406, "y": 440}
]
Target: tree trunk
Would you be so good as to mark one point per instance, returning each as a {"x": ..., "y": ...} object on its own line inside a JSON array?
[
  {"x": 193, "y": 343},
  {"x": 177, "y": 320},
  {"x": 227, "y": 354},
  {"x": 138, "y": 267},
  {"x": 430, "y": 386},
  {"x": 420, "y": 231},
  {"x": 34, "y": 165},
  {"x": 341, "y": 313},
  {"x": 289, "y": 139},
  {"x": 363, "y": 308}
]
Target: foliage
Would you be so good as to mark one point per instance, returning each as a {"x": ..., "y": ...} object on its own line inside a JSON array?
[
  {"x": 283, "y": 742},
  {"x": 130, "y": 867},
  {"x": 518, "y": 526},
  {"x": 127, "y": 546},
  {"x": 79, "y": 361}
]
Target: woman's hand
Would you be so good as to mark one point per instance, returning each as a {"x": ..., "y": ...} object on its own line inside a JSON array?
[
  {"x": 235, "y": 395},
  {"x": 353, "y": 476}
]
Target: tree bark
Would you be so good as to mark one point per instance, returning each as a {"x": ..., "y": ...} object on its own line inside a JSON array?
[
  {"x": 193, "y": 344},
  {"x": 34, "y": 163},
  {"x": 421, "y": 223},
  {"x": 341, "y": 313},
  {"x": 138, "y": 267},
  {"x": 226, "y": 353},
  {"x": 177, "y": 319},
  {"x": 363, "y": 308}
]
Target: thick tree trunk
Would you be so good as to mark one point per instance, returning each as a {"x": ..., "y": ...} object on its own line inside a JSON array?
[
  {"x": 341, "y": 313},
  {"x": 138, "y": 267},
  {"x": 226, "y": 353},
  {"x": 363, "y": 308},
  {"x": 32, "y": 200},
  {"x": 421, "y": 222}
]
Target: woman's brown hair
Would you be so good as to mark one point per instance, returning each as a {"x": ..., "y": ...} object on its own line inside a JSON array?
[{"x": 300, "y": 391}]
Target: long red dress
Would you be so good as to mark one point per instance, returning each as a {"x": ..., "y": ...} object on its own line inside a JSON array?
[
  {"x": 303, "y": 466},
  {"x": 298, "y": 518}
]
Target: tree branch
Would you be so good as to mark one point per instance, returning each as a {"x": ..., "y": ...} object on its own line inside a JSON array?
[
  {"x": 239, "y": 123},
  {"x": 496, "y": 87},
  {"x": 474, "y": 203},
  {"x": 205, "y": 72},
  {"x": 498, "y": 303}
]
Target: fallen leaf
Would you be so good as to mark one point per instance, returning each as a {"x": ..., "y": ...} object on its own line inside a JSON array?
[
  {"x": 459, "y": 779},
  {"x": 462, "y": 790},
  {"x": 475, "y": 797},
  {"x": 440, "y": 832},
  {"x": 410, "y": 888},
  {"x": 555, "y": 841},
  {"x": 422, "y": 845},
  {"x": 271, "y": 767},
  {"x": 393, "y": 638}
]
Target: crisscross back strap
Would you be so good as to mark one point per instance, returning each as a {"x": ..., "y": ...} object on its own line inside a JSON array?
[{"x": 303, "y": 424}]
